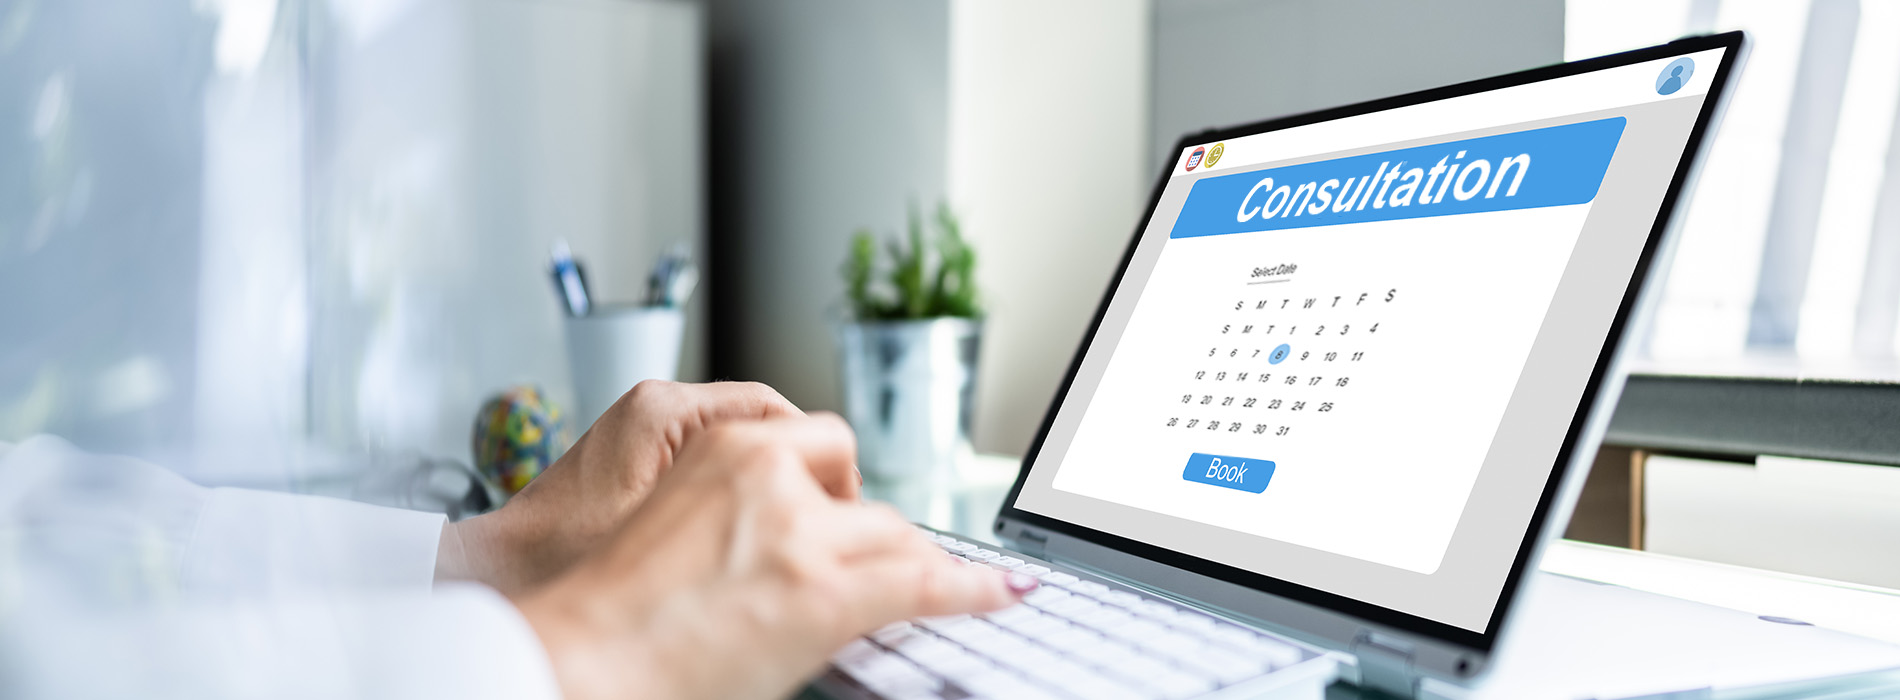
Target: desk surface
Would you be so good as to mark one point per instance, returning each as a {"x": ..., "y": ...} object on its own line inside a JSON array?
[{"x": 1862, "y": 610}]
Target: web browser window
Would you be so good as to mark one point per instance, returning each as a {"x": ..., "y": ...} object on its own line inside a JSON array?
[{"x": 1346, "y": 354}]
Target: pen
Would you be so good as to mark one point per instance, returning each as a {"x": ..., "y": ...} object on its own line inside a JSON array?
[
  {"x": 673, "y": 279},
  {"x": 569, "y": 282}
]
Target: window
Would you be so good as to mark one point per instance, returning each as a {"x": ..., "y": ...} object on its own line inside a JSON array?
[{"x": 1789, "y": 261}]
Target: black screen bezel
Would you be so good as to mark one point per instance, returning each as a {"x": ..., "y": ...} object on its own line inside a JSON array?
[{"x": 1481, "y": 641}]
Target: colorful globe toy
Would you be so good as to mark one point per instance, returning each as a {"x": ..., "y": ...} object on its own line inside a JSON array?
[{"x": 518, "y": 434}]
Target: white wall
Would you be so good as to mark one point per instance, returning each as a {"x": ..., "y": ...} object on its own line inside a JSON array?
[
  {"x": 1226, "y": 62},
  {"x": 1048, "y": 117},
  {"x": 452, "y": 141}
]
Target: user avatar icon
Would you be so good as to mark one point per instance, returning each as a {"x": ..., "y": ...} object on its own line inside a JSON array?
[{"x": 1674, "y": 76}]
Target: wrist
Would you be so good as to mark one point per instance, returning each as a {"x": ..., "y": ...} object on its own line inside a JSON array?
[
  {"x": 479, "y": 549},
  {"x": 451, "y": 555},
  {"x": 593, "y": 650}
]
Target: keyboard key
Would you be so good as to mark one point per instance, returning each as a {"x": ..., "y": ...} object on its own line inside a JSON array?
[
  {"x": 1104, "y": 652},
  {"x": 1059, "y": 578},
  {"x": 1072, "y": 640},
  {"x": 1045, "y": 594},
  {"x": 1060, "y": 671},
  {"x": 1013, "y": 613},
  {"x": 1223, "y": 666},
  {"x": 937, "y": 623},
  {"x": 1005, "y": 686},
  {"x": 1133, "y": 668},
  {"x": 1135, "y": 631},
  {"x": 1089, "y": 588},
  {"x": 1017, "y": 622},
  {"x": 889, "y": 674},
  {"x": 1076, "y": 680},
  {"x": 1070, "y": 606},
  {"x": 1172, "y": 644},
  {"x": 982, "y": 555},
  {"x": 1041, "y": 627},
  {"x": 895, "y": 633},
  {"x": 1096, "y": 687},
  {"x": 1279, "y": 654},
  {"x": 1037, "y": 570},
  {"x": 1029, "y": 658},
  {"x": 1121, "y": 598},
  {"x": 1231, "y": 633},
  {"x": 1246, "y": 643},
  {"x": 1001, "y": 647},
  {"x": 909, "y": 684},
  {"x": 916, "y": 694},
  {"x": 1194, "y": 622},
  {"x": 1103, "y": 617},
  {"x": 1181, "y": 685},
  {"x": 962, "y": 547},
  {"x": 1155, "y": 610},
  {"x": 966, "y": 633},
  {"x": 957, "y": 664},
  {"x": 921, "y": 647},
  {"x": 857, "y": 650}
]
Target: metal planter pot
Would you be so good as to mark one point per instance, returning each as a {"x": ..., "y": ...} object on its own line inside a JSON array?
[{"x": 909, "y": 390}]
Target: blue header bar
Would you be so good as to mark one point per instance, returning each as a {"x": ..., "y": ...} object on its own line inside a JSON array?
[{"x": 1549, "y": 167}]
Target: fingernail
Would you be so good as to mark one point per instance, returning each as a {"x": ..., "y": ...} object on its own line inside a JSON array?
[
  {"x": 860, "y": 475},
  {"x": 1021, "y": 583}
]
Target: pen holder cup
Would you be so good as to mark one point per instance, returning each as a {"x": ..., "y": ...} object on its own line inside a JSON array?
[{"x": 615, "y": 348}]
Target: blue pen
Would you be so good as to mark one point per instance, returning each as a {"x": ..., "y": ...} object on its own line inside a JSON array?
[{"x": 568, "y": 281}]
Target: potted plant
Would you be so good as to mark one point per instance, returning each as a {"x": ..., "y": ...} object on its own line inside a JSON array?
[{"x": 908, "y": 351}]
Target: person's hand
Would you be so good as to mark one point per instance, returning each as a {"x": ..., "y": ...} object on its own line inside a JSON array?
[
  {"x": 587, "y": 494},
  {"x": 747, "y": 567}
]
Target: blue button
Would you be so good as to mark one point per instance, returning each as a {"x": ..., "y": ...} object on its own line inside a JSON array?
[
  {"x": 1279, "y": 353},
  {"x": 1238, "y": 473}
]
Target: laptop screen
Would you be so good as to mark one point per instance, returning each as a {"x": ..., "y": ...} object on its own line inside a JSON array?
[{"x": 1350, "y": 354}]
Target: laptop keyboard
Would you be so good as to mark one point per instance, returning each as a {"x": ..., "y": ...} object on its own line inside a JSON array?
[{"x": 1073, "y": 637}]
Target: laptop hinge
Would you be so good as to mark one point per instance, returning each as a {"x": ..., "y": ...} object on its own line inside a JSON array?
[
  {"x": 1385, "y": 665},
  {"x": 1032, "y": 543}
]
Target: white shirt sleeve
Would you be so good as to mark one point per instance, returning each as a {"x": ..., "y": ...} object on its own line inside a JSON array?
[
  {"x": 250, "y": 543},
  {"x": 120, "y": 579}
]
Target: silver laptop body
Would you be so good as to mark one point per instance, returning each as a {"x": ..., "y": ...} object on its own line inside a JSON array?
[{"x": 1408, "y": 611}]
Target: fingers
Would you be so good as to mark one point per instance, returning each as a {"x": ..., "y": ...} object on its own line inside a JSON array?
[
  {"x": 823, "y": 441},
  {"x": 739, "y": 400},
  {"x": 924, "y": 584},
  {"x": 706, "y": 405},
  {"x": 711, "y": 403},
  {"x": 869, "y": 530}
]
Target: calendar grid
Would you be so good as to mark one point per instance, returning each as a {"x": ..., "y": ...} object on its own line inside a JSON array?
[{"x": 1262, "y": 375}]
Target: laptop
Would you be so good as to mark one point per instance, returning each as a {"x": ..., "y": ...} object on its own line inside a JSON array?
[{"x": 1343, "y": 387}]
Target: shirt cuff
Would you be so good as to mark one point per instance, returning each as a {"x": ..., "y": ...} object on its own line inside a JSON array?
[
  {"x": 476, "y": 646},
  {"x": 262, "y": 543}
]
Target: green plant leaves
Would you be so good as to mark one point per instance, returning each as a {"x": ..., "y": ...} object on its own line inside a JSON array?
[{"x": 928, "y": 277}]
